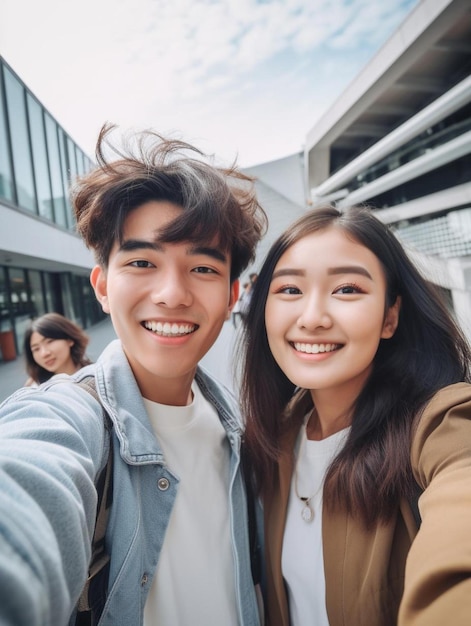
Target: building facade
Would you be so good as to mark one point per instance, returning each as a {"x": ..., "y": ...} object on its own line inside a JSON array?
[
  {"x": 399, "y": 140},
  {"x": 44, "y": 266}
]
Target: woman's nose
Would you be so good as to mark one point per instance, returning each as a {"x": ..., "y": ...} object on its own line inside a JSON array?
[{"x": 315, "y": 314}]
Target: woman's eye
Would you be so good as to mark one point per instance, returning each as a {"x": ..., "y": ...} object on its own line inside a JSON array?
[
  {"x": 348, "y": 289},
  {"x": 291, "y": 291}
]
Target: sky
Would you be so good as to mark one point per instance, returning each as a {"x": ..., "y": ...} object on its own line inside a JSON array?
[{"x": 240, "y": 79}]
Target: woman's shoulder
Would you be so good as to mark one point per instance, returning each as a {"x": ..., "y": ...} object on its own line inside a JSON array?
[
  {"x": 448, "y": 397},
  {"x": 444, "y": 427}
]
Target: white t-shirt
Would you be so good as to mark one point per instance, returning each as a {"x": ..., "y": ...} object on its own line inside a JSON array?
[
  {"x": 195, "y": 580},
  {"x": 302, "y": 557}
]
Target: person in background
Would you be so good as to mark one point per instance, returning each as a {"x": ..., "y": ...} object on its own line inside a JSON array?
[
  {"x": 357, "y": 398},
  {"x": 241, "y": 305},
  {"x": 171, "y": 234},
  {"x": 53, "y": 344},
  {"x": 247, "y": 296}
]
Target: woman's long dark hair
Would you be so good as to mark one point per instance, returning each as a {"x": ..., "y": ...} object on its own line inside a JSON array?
[
  {"x": 427, "y": 352},
  {"x": 54, "y": 326}
]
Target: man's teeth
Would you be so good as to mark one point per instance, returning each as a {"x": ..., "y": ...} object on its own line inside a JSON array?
[
  {"x": 315, "y": 348},
  {"x": 169, "y": 330}
]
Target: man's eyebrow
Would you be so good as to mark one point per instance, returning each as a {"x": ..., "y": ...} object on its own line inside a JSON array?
[
  {"x": 128, "y": 245},
  {"x": 215, "y": 253}
]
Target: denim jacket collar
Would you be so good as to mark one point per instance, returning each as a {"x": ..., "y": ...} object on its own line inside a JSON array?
[{"x": 121, "y": 397}]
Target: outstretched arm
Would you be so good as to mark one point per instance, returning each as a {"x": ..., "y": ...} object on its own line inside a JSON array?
[
  {"x": 438, "y": 570},
  {"x": 51, "y": 444}
]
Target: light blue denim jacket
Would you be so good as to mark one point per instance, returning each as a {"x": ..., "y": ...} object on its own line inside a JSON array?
[{"x": 52, "y": 445}]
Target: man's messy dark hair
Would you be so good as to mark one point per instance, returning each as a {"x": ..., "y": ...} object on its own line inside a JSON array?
[{"x": 219, "y": 204}]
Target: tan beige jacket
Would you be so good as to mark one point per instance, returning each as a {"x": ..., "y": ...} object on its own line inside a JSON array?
[{"x": 394, "y": 575}]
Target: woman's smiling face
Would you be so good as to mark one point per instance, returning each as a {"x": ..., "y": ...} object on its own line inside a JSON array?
[
  {"x": 52, "y": 354},
  {"x": 326, "y": 312}
]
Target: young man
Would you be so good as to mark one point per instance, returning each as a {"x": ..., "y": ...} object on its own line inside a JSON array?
[{"x": 171, "y": 235}]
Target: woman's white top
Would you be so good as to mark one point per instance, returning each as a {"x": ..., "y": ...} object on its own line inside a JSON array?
[{"x": 302, "y": 556}]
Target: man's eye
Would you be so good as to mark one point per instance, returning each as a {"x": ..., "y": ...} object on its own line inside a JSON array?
[
  {"x": 141, "y": 263},
  {"x": 204, "y": 270}
]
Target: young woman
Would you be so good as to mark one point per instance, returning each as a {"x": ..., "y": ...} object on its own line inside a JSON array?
[
  {"x": 357, "y": 399},
  {"x": 53, "y": 345}
]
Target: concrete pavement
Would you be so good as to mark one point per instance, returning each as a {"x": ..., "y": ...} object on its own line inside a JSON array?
[{"x": 219, "y": 360}]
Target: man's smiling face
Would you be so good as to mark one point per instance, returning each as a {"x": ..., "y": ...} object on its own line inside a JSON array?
[{"x": 167, "y": 301}]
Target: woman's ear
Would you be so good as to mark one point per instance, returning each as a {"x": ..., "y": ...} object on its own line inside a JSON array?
[
  {"x": 99, "y": 284},
  {"x": 391, "y": 319}
]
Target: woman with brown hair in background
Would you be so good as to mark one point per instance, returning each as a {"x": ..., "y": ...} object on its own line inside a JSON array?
[{"x": 52, "y": 345}]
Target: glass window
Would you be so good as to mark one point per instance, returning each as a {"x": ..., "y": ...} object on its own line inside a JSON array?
[
  {"x": 36, "y": 289},
  {"x": 65, "y": 177},
  {"x": 92, "y": 309},
  {"x": 6, "y": 178},
  {"x": 41, "y": 170},
  {"x": 89, "y": 165},
  {"x": 7, "y": 333},
  {"x": 79, "y": 158},
  {"x": 20, "y": 142},
  {"x": 53, "y": 291},
  {"x": 69, "y": 300},
  {"x": 5, "y": 312},
  {"x": 58, "y": 198},
  {"x": 72, "y": 161},
  {"x": 21, "y": 305}
]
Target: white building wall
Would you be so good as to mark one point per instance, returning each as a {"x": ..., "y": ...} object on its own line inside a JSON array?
[
  {"x": 286, "y": 176},
  {"x": 40, "y": 245}
]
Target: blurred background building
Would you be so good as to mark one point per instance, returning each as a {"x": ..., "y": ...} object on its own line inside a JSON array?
[
  {"x": 43, "y": 264},
  {"x": 398, "y": 138}
]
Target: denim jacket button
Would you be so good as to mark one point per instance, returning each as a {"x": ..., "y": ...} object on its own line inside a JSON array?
[
  {"x": 144, "y": 580},
  {"x": 163, "y": 484}
]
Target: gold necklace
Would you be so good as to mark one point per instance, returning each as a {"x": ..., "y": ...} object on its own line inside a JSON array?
[{"x": 307, "y": 512}]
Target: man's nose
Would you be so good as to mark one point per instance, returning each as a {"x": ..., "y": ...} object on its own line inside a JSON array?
[{"x": 171, "y": 290}]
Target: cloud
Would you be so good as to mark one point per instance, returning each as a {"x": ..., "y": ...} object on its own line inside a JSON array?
[{"x": 196, "y": 65}]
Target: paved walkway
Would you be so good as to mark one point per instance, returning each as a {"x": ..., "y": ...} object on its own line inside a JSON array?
[{"x": 218, "y": 360}]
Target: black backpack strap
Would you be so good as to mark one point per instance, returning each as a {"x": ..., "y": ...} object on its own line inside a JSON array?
[
  {"x": 93, "y": 597},
  {"x": 255, "y": 547}
]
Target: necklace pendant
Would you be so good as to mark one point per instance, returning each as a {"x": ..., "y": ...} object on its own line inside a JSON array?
[{"x": 307, "y": 513}]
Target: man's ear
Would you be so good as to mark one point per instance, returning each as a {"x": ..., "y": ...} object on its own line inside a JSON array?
[
  {"x": 391, "y": 320},
  {"x": 234, "y": 296},
  {"x": 99, "y": 283}
]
